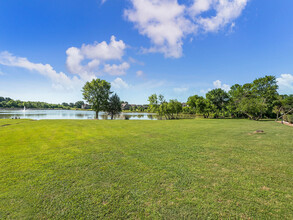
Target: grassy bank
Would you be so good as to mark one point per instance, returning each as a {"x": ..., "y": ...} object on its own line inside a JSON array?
[{"x": 145, "y": 169}]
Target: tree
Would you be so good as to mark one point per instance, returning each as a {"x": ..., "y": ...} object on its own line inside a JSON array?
[
  {"x": 154, "y": 103},
  {"x": 256, "y": 99},
  {"x": 219, "y": 98},
  {"x": 65, "y": 104},
  {"x": 200, "y": 105},
  {"x": 191, "y": 102},
  {"x": 204, "y": 106},
  {"x": 163, "y": 110},
  {"x": 97, "y": 94},
  {"x": 174, "y": 107},
  {"x": 159, "y": 105},
  {"x": 235, "y": 93},
  {"x": 265, "y": 88},
  {"x": 79, "y": 104},
  {"x": 283, "y": 105},
  {"x": 114, "y": 105},
  {"x": 253, "y": 107},
  {"x": 140, "y": 108}
]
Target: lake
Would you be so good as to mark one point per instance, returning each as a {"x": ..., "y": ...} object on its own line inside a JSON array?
[{"x": 71, "y": 114}]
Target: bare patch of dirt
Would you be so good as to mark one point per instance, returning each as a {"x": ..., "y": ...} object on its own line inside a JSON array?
[
  {"x": 286, "y": 123},
  {"x": 258, "y": 132},
  {"x": 265, "y": 188}
]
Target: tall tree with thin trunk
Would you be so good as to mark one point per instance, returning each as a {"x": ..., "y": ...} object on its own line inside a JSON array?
[{"x": 97, "y": 93}]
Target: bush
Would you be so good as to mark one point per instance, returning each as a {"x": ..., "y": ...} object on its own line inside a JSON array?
[{"x": 289, "y": 119}]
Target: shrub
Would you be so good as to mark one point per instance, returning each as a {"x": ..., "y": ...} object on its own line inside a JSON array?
[
  {"x": 290, "y": 119},
  {"x": 285, "y": 118}
]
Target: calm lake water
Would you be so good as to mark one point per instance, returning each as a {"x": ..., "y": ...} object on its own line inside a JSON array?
[{"x": 70, "y": 114}]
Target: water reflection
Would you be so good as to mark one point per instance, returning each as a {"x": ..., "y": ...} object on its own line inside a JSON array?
[
  {"x": 127, "y": 117},
  {"x": 103, "y": 116},
  {"x": 71, "y": 114}
]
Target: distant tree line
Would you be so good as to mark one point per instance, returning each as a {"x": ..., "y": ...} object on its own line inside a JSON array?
[
  {"x": 136, "y": 108},
  {"x": 10, "y": 103},
  {"x": 255, "y": 100},
  {"x": 133, "y": 107}
]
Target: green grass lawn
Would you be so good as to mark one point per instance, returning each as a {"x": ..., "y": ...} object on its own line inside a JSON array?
[{"x": 56, "y": 169}]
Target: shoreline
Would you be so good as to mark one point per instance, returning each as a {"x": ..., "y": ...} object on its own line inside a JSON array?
[{"x": 21, "y": 109}]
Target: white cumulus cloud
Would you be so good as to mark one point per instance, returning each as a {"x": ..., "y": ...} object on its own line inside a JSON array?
[
  {"x": 218, "y": 84},
  {"x": 119, "y": 83},
  {"x": 166, "y": 22},
  {"x": 200, "y": 6},
  {"x": 226, "y": 12},
  {"x": 285, "y": 83},
  {"x": 163, "y": 22},
  {"x": 103, "y": 51},
  {"x": 95, "y": 55},
  {"x": 116, "y": 70},
  {"x": 59, "y": 79}
]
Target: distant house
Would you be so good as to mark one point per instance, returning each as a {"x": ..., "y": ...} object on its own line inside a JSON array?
[
  {"x": 184, "y": 104},
  {"x": 86, "y": 106},
  {"x": 125, "y": 106}
]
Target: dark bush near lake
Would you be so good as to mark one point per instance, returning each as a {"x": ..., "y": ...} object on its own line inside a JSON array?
[{"x": 289, "y": 118}]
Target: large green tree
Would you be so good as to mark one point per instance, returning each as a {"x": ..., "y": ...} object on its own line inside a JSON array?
[
  {"x": 200, "y": 105},
  {"x": 265, "y": 89},
  {"x": 97, "y": 93},
  {"x": 283, "y": 105},
  {"x": 204, "y": 107},
  {"x": 256, "y": 99},
  {"x": 219, "y": 98},
  {"x": 191, "y": 102}
]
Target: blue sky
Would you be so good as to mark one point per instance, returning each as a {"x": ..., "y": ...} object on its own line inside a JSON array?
[{"x": 50, "y": 48}]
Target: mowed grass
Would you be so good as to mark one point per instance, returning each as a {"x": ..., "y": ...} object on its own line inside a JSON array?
[{"x": 71, "y": 169}]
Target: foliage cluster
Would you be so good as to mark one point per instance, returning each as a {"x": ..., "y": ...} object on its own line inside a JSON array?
[
  {"x": 10, "y": 103},
  {"x": 169, "y": 110},
  {"x": 255, "y": 100},
  {"x": 137, "y": 109},
  {"x": 289, "y": 118}
]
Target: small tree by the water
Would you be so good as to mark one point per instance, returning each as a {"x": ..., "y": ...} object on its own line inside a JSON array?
[{"x": 114, "y": 105}]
